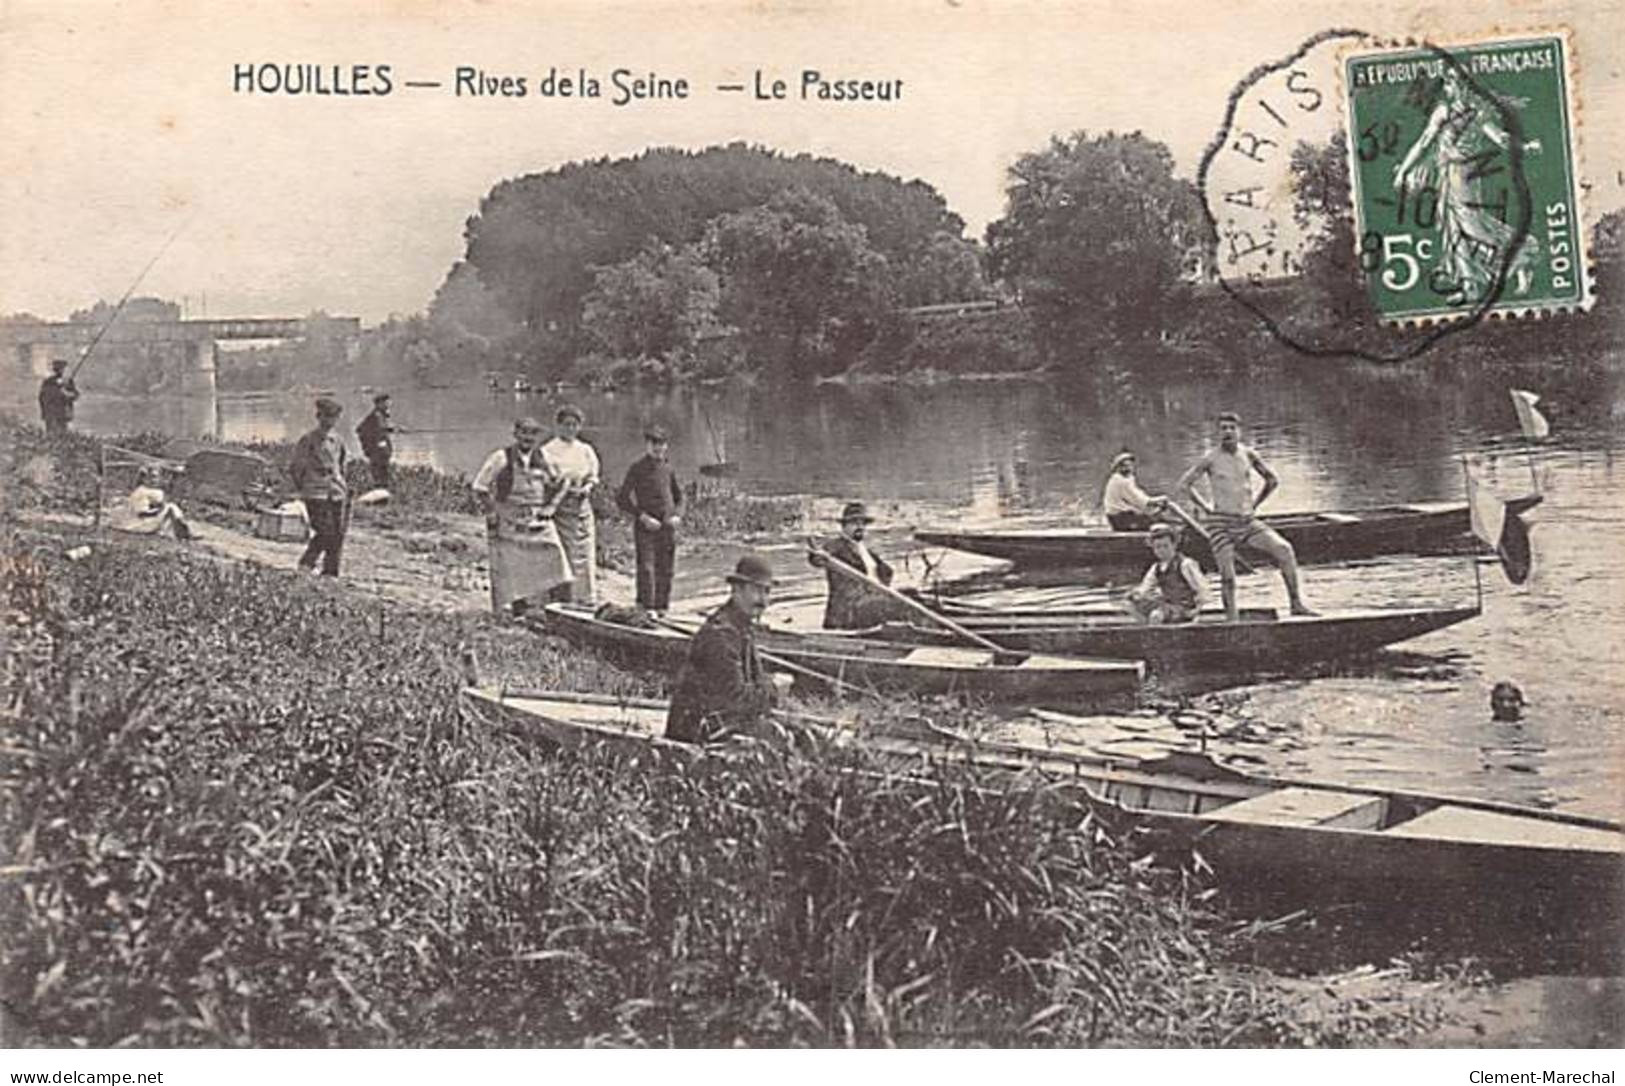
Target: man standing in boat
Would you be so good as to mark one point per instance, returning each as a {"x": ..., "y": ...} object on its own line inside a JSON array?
[
  {"x": 722, "y": 688},
  {"x": 1229, "y": 519},
  {"x": 1173, "y": 590},
  {"x": 852, "y": 605},
  {"x": 1127, "y": 507}
]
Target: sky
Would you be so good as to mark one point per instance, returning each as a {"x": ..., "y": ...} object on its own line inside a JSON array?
[{"x": 123, "y": 139}]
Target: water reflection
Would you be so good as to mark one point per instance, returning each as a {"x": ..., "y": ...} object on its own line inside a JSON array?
[{"x": 1339, "y": 437}]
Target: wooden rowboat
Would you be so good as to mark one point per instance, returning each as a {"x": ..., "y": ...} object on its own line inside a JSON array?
[
  {"x": 1316, "y": 537},
  {"x": 880, "y": 665},
  {"x": 1261, "y": 639},
  {"x": 1299, "y": 834}
]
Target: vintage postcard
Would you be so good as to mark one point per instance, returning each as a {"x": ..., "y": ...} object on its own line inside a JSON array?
[{"x": 965, "y": 524}]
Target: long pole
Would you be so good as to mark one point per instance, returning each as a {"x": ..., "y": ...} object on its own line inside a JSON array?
[
  {"x": 121, "y": 302},
  {"x": 774, "y": 660},
  {"x": 913, "y": 605},
  {"x": 1478, "y": 574}
]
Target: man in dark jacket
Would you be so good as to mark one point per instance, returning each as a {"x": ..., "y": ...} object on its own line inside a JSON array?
[
  {"x": 852, "y": 605},
  {"x": 56, "y": 395},
  {"x": 376, "y": 445},
  {"x": 317, "y": 469},
  {"x": 722, "y": 688},
  {"x": 652, "y": 497}
]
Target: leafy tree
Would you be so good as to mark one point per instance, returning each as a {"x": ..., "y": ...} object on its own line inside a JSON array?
[
  {"x": 946, "y": 269},
  {"x": 538, "y": 240},
  {"x": 799, "y": 280},
  {"x": 1322, "y": 206},
  {"x": 1096, "y": 235},
  {"x": 658, "y": 305}
]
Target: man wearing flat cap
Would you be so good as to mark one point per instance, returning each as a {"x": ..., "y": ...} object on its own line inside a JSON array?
[
  {"x": 722, "y": 689},
  {"x": 653, "y": 498},
  {"x": 317, "y": 470},
  {"x": 376, "y": 444},
  {"x": 852, "y": 605}
]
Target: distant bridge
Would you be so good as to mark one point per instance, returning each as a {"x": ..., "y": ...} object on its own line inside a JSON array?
[{"x": 191, "y": 345}]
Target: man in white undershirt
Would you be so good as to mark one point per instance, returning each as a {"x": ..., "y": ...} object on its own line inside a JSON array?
[
  {"x": 1127, "y": 507},
  {"x": 851, "y": 606}
]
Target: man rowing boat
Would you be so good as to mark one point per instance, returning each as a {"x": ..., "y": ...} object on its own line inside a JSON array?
[
  {"x": 1229, "y": 519},
  {"x": 1127, "y": 507}
]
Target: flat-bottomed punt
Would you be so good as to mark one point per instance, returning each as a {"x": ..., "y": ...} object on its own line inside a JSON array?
[
  {"x": 1316, "y": 537},
  {"x": 1262, "y": 639},
  {"x": 880, "y": 665},
  {"x": 1302, "y": 835}
]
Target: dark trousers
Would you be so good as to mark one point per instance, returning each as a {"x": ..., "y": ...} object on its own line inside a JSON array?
[
  {"x": 55, "y": 427},
  {"x": 1129, "y": 522},
  {"x": 656, "y": 552},
  {"x": 380, "y": 472},
  {"x": 327, "y": 522}
]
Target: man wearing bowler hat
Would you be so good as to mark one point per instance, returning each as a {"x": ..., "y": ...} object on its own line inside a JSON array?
[
  {"x": 722, "y": 688},
  {"x": 851, "y": 605},
  {"x": 653, "y": 498}
]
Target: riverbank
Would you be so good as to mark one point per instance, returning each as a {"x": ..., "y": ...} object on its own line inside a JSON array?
[{"x": 243, "y": 807}]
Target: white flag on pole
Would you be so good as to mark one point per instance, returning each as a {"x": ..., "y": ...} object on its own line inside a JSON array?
[{"x": 1530, "y": 421}]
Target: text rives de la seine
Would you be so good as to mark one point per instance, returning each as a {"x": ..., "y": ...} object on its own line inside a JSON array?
[{"x": 618, "y": 86}]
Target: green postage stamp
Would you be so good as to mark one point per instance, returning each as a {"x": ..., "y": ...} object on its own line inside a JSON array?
[{"x": 1463, "y": 170}]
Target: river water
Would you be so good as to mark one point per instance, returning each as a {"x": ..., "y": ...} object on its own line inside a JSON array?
[{"x": 1025, "y": 452}]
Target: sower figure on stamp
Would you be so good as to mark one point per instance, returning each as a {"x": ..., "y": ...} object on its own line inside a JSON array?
[
  {"x": 576, "y": 462},
  {"x": 652, "y": 496},
  {"x": 1230, "y": 522},
  {"x": 56, "y": 396},
  {"x": 1127, "y": 507},
  {"x": 376, "y": 444},
  {"x": 722, "y": 689},
  {"x": 519, "y": 494},
  {"x": 852, "y": 606},
  {"x": 317, "y": 470}
]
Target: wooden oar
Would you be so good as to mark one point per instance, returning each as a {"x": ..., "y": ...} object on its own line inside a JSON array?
[
  {"x": 774, "y": 660},
  {"x": 913, "y": 605}
]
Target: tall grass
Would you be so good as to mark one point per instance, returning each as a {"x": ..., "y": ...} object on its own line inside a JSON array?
[{"x": 240, "y": 810}]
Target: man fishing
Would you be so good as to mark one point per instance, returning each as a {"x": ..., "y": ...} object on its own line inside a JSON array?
[
  {"x": 651, "y": 495},
  {"x": 376, "y": 446},
  {"x": 851, "y": 605},
  {"x": 317, "y": 470},
  {"x": 722, "y": 689},
  {"x": 1229, "y": 520},
  {"x": 57, "y": 394}
]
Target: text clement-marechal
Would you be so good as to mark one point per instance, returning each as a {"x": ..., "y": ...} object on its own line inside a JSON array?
[{"x": 318, "y": 79}]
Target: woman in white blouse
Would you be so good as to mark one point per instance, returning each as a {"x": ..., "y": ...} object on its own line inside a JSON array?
[{"x": 576, "y": 462}]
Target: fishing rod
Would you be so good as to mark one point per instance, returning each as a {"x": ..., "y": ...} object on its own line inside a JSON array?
[{"x": 122, "y": 301}]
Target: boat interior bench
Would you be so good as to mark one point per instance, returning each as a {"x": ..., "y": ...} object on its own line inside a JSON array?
[
  {"x": 1448, "y": 822},
  {"x": 1305, "y": 807}
]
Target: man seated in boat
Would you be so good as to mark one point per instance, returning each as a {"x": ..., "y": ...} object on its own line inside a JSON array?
[
  {"x": 722, "y": 689},
  {"x": 852, "y": 604},
  {"x": 148, "y": 511},
  {"x": 1127, "y": 507},
  {"x": 1230, "y": 523},
  {"x": 1172, "y": 590}
]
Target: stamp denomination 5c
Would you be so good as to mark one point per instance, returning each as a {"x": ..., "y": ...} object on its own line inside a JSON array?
[{"x": 1464, "y": 178}]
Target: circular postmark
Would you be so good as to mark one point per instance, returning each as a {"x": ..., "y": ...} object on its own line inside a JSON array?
[{"x": 1366, "y": 200}]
